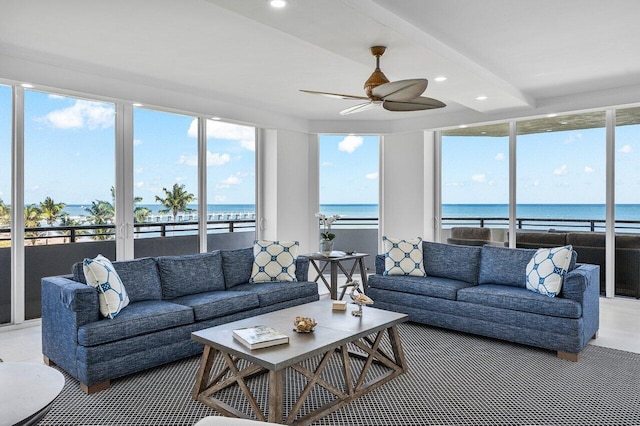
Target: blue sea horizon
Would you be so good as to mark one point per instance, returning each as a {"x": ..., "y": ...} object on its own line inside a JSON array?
[{"x": 538, "y": 211}]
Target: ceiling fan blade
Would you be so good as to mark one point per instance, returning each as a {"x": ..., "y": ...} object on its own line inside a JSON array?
[
  {"x": 359, "y": 108},
  {"x": 402, "y": 90},
  {"x": 334, "y": 95},
  {"x": 418, "y": 104}
]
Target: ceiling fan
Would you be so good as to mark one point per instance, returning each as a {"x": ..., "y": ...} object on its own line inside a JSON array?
[{"x": 402, "y": 95}]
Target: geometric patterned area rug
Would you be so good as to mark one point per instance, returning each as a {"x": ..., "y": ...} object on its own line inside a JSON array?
[{"x": 453, "y": 379}]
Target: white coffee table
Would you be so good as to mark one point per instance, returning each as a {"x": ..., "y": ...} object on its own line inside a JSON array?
[{"x": 27, "y": 391}]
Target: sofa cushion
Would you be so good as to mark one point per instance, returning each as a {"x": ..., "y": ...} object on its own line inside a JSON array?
[
  {"x": 546, "y": 270},
  {"x": 237, "y": 265},
  {"x": 505, "y": 266},
  {"x": 451, "y": 261},
  {"x": 520, "y": 299},
  {"x": 274, "y": 261},
  {"x": 190, "y": 274},
  {"x": 276, "y": 292},
  {"x": 112, "y": 294},
  {"x": 215, "y": 304},
  {"x": 403, "y": 257},
  {"x": 139, "y": 276},
  {"x": 443, "y": 288},
  {"x": 139, "y": 318}
]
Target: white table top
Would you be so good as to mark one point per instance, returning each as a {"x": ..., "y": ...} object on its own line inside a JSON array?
[{"x": 25, "y": 389}]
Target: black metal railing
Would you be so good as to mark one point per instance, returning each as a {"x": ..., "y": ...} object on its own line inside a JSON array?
[{"x": 592, "y": 225}]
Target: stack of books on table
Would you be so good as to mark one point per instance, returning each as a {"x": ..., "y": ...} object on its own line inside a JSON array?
[{"x": 259, "y": 336}]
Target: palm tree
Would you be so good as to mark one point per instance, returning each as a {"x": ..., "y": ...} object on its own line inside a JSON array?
[
  {"x": 51, "y": 211},
  {"x": 5, "y": 213},
  {"x": 101, "y": 213},
  {"x": 32, "y": 216},
  {"x": 176, "y": 200},
  {"x": 140, "y": 214}
]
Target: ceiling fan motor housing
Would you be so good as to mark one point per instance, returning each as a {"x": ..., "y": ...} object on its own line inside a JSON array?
[{"x": 377, "y": 77}]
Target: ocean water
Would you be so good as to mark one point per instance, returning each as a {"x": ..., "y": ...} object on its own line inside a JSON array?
[{"x": 538, "y": 211}]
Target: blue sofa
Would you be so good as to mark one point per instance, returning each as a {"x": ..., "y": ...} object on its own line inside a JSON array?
[
  {"x": 170, "y": 297},
  {"x": 481, "y": 290}
]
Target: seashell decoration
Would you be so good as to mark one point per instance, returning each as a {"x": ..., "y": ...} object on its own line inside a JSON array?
[{"x": 304, "y": 324}]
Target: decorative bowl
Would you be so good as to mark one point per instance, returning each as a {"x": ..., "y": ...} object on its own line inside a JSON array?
[{"x": 304, "y": 324}]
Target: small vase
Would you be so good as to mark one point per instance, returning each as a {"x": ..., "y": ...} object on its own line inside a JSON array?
[{"x": 326, "y": 246}]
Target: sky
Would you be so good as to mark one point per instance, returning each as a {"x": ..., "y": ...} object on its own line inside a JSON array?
[
  {"x": 348, "y": 169},
  {"x": 562, "y": 167},
  {"x": 69, "y": 155}
]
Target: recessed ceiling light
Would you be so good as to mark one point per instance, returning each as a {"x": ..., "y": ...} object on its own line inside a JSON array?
[
  {"x": 215, "y": 118},
  {"x": 564, "y": 122},
  {"x": 551, "y": 115},
  {"x": 440, "y": 78},
  {"x": 481, "y": 98},
  {"x": 27, "y": 85},
  {"x": 462, "y": 126},
  {"x": 278, "y": 4},
  {"x": 137, "y": 105}
]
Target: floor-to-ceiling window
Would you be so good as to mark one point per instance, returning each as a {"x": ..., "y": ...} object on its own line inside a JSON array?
[
  {"x": 5, "y": 204},
  {"x": 231, "y": 159},
  {"x": 165, "y": 183},
  {"x": 69, "y": 169},
  {"x": 349, "y": 183},
  {"x": 475, "y": 179},
  {"x": 627, "y": 202}
]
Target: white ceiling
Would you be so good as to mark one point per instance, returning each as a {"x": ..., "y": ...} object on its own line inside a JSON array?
[{"x": 527, "y": 57}]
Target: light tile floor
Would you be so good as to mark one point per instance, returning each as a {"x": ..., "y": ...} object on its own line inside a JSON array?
[{"x": 619, "y": 329}]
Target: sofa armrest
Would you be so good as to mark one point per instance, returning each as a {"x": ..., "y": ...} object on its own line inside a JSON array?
[
  {"x": 583, "y": 285},
  {"x": 380, "y": 264},
  {"x": 302, "y": 268},
  {"x": 66, "y": 306}
]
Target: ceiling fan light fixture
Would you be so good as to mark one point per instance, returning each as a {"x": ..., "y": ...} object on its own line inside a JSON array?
[{"x": 440, "y": 78}]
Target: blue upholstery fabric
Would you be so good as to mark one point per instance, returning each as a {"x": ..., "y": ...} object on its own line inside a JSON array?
[
  {"x": 505, "y": 266},
  {"x": 515, "y": 298},
  {"x": 190, "y": 274},
  {"x": 236, "y": 265},
  {"x": 215, "y": 304},
  {"x": 139, "y": 276},
  {"x": 428, "y": 286},
  {"x": 139, "y": 318},
  {"x": 452, "y": 261},
  {"x": 272, "y": 293}
]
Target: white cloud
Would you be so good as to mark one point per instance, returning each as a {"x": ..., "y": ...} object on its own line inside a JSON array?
[
  {"x": 220, "y": 186},
  {"x": 562, "y": 170},
  {"x": 245, "y": 135},
  {"x": 454, "y": 184},
  {"x": 372, "y": 176},
  {"x": 588, "y": 169},
  {"x": 213, "y": 159},
  {"x": 140, "y": 184},
  {"x": 216, "y": 159},
  {"x": 350, "y": 144},
  {"x": 536, "y": 183},
  {"x": 83, "y": 113},
  {"x": 220, "y": 199},
  {"x": 139, "y": 170},
  {"x": 327, "y": 164},
  {"x": 137, "y": 142},
  {"x": 626, "y": 149},
  {"x": 479, "y": 178},
  {"x": 499, "y": 156},
  {"x": 180, "y": 179},
  {"x": 232, "y": 180}
]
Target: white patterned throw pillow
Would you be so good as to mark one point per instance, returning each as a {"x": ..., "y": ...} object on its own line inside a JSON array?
[
  {"x": 547, "y": 268},
  {"x": 112, "y": 295},
  {"x": 403, "y": 257},
  {"x": 274, "y": 261}
]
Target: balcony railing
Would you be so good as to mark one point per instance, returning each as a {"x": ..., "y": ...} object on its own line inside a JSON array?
[{"x": 592, "y": 225}]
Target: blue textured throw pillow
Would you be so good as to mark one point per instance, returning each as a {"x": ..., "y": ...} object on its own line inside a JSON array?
[
  {"x": 274, "y": 261},
  {"x": 403, "y": 257},
  {"x": 547, "y": 268}
]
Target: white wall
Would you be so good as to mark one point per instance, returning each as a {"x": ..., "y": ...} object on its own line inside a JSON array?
[
  {"x": 289, "y": 188},
  {"x": 407, "y": 184}
]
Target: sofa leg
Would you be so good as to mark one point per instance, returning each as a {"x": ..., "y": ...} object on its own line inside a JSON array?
[
  {"x": 595, "y": 336},
  {"x": 47, "y": 361},
  {"x": 96, "y": 387},
  {"x": 568, "y": 356}
]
